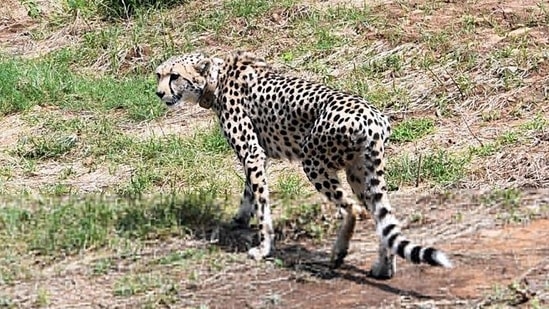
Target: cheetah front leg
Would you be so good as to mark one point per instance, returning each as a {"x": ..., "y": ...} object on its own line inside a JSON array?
[
  {"x": 256, "y": 183},
  {"x": 255, "y": 199},
  {"x": 246, "y": 209}
]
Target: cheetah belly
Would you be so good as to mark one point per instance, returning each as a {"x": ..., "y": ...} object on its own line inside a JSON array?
[{"x": 279, "y": 138}]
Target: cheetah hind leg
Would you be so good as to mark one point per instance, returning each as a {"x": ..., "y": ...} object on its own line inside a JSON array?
[
  {"x": 327, "y": 182},
  {"x": 377, "y": 201},
  {"x": 358, "y": 176},
  {"x": 341, "y": 245},
  {"x": 385, "y": 266}
]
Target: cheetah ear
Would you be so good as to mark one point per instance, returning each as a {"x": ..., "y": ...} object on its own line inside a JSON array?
[{"x": 203, "y": 66}]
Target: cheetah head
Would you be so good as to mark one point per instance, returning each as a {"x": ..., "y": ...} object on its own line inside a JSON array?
[{"x": 189, "y": 78}]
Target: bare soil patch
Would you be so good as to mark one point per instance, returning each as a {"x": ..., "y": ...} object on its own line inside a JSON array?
[{"x": 487, "y": 255}]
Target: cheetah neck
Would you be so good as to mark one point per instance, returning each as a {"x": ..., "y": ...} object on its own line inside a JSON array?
[{"x": 209, "y": 92}]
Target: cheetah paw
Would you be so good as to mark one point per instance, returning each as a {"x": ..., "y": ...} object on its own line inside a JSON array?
[
  {"x": 338, "y": 258},
  {"x": 240, "y": 223},
  {"x": 382, "y": 271},
  {"x": 257, "y": 253}
]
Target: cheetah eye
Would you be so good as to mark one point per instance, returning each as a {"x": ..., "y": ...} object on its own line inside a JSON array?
[{"x": 174, "y": 76}]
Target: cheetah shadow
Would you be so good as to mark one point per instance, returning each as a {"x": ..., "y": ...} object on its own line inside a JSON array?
[
  {"x": 297, "y": 257},
  {"x": 205, "y": 223}
]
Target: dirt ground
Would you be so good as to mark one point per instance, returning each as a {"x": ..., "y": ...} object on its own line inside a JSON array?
[
  {"x": 494, "y": 264},
  {"x": 487, "y": 256}
]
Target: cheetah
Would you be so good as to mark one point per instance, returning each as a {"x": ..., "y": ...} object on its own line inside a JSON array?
[{"x": 265, "y": 115}]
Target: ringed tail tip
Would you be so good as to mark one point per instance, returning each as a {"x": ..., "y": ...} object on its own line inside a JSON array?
[{"x": 443, "y": 260}]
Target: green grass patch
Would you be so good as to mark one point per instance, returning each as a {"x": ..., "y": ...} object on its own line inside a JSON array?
[
  {"x": 392, "y": 62},
  {"x": 539, "y": 123},
  {"x": 198, "y": 161},
  {"x": 436, "y": 168},
  {"x": 134, "y": 284},
  {"x": 70, "y": 225},
  {"x": 115, "y": 9},
  {"x": 321, "y": 32},
  {"x": 412, "y": 129},
  {"x": 45, "y": 146},
  {"x": 291, "y": 187},
  {"x": 212, "y": 141},
  {"x": 33, "y": 10},
  {"x": 102, "y": 266},
  {"x": 51, "y": 82},
  {"x": 511, "y": 137},
  {"x": 509, "y": 198},
  {"x": 165, "y": 162},
  {"x": 247, "y": 8},
  {"x": 509, "y": 202},
  {"x": 491, "y": 148}
]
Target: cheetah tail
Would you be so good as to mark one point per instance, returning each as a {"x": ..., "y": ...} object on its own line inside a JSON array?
[{"x": 388, "y": 229}]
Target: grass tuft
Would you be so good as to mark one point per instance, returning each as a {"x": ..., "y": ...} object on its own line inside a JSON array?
[
  {"x": 436, "y": 168},
  {"x": 291, "y": 187},
  {"x": 59, "y": 226},
  {"x": 412, "y": 129},
  {"x": 45, "y": 146}
]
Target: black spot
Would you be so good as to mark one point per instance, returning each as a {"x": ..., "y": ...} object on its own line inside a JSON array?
[
  {"x": 352, "y": 178},
  {"x": 391, "y": 240},
  {"x": 374, "y": 182},
  {"x": 382, "y": 213},
  {"x": 401, "y": 247},
  {"x": 338, "y": 195},
  {"x": 377, "y": 197},
  {"x": 416, "y": 259},
  {"x": 387, "y": 230},
  {"x": 318, "y": 186},
  {"x": 428, "y": 256}
]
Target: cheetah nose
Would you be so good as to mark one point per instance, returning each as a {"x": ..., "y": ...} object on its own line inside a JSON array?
[{"x": 160, "y": 94}]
